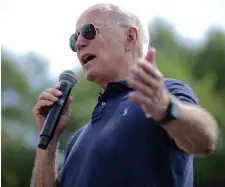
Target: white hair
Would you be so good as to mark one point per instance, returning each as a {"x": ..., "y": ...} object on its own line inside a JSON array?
[{"x": 127, "y": 18}]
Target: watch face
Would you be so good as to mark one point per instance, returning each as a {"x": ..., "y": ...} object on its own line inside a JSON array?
[{"x": 174, "y": 111}]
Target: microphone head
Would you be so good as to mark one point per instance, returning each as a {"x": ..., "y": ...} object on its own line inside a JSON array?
[{"x": 69, "y": 76}]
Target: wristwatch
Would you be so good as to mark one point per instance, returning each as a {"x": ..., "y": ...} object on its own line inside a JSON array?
[{"x": 171, "y": 113}]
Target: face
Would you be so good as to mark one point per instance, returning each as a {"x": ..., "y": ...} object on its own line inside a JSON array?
[{"x": 102, "y": 52}]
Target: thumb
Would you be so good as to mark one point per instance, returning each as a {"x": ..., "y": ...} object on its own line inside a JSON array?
[{"x": 150, "y": 57}]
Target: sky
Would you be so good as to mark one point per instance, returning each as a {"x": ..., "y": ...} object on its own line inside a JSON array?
[{"x": 44, "y": 26}]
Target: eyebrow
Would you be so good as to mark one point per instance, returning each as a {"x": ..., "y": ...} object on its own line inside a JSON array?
[
  {"x": 76, "y": 30},
  {"x": 124, "y": 25}
]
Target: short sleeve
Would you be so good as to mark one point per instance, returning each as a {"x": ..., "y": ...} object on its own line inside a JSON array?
[
  {"x": 69, "y": 147},
  {"x": 185, "y": 94},
  {"x": 72, "y": 141},
  {"x": 181, "y": 91}
]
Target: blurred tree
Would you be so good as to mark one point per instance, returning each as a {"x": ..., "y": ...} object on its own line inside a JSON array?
[
  {"x": 36, "y": 70},
  {"x": 16, "y": 91},
  {"x": 211, "y": 58},
  {"x": 165, "y": 38},
  {"x": 17, "y": 161}
]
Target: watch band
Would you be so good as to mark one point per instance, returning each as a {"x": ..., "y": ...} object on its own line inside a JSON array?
[{"x": 171, "y": 113}]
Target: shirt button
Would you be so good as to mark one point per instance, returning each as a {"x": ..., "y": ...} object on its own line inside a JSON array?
[{"x": 103, "y": 103}]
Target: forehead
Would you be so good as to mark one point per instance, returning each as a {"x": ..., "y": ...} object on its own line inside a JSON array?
[{"x": 97, "y": 16}]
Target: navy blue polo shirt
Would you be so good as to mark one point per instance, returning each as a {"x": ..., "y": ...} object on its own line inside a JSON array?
[{"x": 120, "y": 147}]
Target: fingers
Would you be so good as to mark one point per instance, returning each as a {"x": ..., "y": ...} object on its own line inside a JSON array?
[
  {"x": 143, "y": 88},
  {"x": 140, "y": 99},
  {"x": 149, "y": 91},
  {"x": 149, "y": 69},
  {"x": 41, "y": 104},
  {"x": 54, "y": 91},
  {"x": 150, "y": 57},
  {"x": 150, "y": 79},
  {"x": 148, "y": 83},
  {"x": 147, "y": 75},
  {"x": 70, "y": 99},
  {"x": 47, "y": 98},
  {"x": 51, "y": 94},
  {"x": 56, "y": 86}
]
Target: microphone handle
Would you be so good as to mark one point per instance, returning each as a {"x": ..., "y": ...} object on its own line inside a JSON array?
[{"x": 53, "y": 116}]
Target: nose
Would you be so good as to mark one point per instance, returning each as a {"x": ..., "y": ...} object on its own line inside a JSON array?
[{"x": 81, "y": 42}]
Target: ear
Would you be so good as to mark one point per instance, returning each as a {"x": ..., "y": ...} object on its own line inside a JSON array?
[{"x": 131, "y": 38}]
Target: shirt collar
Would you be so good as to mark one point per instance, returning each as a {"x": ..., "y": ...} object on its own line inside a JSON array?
[{"x": 121, "y": 82}]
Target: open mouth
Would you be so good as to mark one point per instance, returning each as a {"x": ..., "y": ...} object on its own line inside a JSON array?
[{"x": 88, "y": 58}]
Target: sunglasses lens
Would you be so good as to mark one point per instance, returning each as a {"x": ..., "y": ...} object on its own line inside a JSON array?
[
  {"x": 89, "y": 31},
  {"x": 72, "y": 41}
]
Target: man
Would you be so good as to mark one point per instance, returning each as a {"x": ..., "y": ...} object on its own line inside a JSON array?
[{"x": 144, "y": 129}]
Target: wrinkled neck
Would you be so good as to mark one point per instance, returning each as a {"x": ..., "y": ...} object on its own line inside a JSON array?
[{"x": 120, "y": 73}]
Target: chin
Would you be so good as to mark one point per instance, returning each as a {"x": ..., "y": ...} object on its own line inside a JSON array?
[
  {"x": 95, "y": 77},
  {"x": 91, "y": 76}
]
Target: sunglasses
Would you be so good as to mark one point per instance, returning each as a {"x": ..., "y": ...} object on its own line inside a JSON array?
[{"x": 89, "y": 32}]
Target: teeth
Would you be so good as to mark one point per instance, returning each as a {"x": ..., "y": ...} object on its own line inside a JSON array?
[{"x": 86, "y": 57}]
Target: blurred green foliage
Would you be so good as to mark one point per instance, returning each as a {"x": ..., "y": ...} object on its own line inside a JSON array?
[{"x": 201, "y": 65}]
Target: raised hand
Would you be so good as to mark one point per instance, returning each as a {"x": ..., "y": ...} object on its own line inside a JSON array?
[{"x": 148, "y": 84}]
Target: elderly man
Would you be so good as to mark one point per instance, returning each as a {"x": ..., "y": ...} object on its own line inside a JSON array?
[{"x": 144, "y": 129}]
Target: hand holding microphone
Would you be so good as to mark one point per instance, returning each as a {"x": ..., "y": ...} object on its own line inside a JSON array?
[{"x": 52, "y": 109}]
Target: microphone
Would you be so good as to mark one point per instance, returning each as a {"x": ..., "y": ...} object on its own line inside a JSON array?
[{"x": 67, "y": 80}]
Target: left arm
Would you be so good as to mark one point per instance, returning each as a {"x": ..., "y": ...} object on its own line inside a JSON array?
[{"x": 195, "y": 130}]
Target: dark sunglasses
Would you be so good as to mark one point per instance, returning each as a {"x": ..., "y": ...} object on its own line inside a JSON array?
[{"x": 89, "y": 32}]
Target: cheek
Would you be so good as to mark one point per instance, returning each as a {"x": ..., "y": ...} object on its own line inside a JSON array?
[
  {"x": 112, "y": 41},
  {"x": 109, "y": 48},
  {"x": 116, "y": 42}
]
